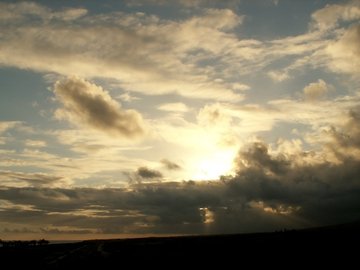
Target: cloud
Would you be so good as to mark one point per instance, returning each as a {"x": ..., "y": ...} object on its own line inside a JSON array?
[
  {"x": 154, "y": 56},
  {"x": 9, "y": 178},
  {"x": 15, "y": 12},
  {"x": 275, "y": 186},
  {"x": 35, "y": 143},
  {"x": 170, "y": 165},
  {"x": 6, "y": 125},
  {"x": 345, "y": 52},
  {"x": 126, "y": 97},
  {"x": 344, "y": 142},
  {"x": 147, "y": 173},
  {"x": 316, "y": 90},
  {"x": 220, "y": 19},
  {"x": 214, "y": 114},
  {"x": 142, "y": 53},
  {"x": 87, "y": 104},
  {"x": 174, "y": 107},
  {"x": 329, "y": 16},
  {"x": 278, "y": 76}
]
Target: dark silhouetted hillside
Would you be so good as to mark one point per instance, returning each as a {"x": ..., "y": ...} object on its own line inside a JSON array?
[{"x": 323, "y": 246}]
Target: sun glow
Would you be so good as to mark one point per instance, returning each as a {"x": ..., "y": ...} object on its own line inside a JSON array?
[{"x": 214, "y": 165}]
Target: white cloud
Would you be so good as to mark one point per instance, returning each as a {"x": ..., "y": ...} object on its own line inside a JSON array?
[
  {"x": 345, "y": 52},
  {"x": 145, "y": 54},
  {"x": 127, "y": 97},
  {"x": 316, "y": 90},
  {"x": 329, "y": 16},
  {"x": 87, "y": 104},
  {"x": 240, "y": 86},
  {"x": 4, "y": 126},
  {"x": 278, "y": 76},
  {"x": 174, "y": 107},
  {"x": 35, "y": 143}
]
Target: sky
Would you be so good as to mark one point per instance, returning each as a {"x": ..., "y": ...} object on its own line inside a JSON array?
[{"x": 136, "y": 118}]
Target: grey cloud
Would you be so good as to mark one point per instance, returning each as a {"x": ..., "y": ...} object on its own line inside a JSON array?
[
  {"x": 88, "y": 104},
  {"x": 145, "y": 172},
  {"x": 257, "y": 157},
  {"x": 318, "y": 191},
  {"x": 346, "y": 140},
  {"x": 170, "y": 165},
  {"x": 271, "y": 189},
  {"x": 143, "y": 175}
]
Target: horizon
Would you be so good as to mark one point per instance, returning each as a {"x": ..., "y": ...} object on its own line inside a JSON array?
[{"x": 181, "y": 117}]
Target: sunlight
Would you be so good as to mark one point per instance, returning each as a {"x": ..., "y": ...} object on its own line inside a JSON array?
[{"x": 214, "y": 165}]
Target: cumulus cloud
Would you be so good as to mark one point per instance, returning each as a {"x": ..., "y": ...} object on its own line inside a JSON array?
[
  {"x": 344, "y": 142},
  {"x": 330, "y": 15},
  {"x": 345, "y": 52},
  {"x": 87, "y": 104},
  {"x": 275, "y": 186},
  {"x": 316, "y": 90}
]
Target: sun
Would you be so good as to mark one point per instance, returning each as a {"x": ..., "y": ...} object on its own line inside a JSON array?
[{"x": 214, "y": 165}]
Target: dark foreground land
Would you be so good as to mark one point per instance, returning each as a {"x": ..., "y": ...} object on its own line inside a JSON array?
[{"x": 325, "y": 246}]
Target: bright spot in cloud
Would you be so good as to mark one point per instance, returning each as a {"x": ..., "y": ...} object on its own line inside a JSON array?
[{"x": 212, "y": 166}]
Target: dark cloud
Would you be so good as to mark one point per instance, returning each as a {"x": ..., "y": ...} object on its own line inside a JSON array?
[
  {"x": 170, "y": 165},
  {"x": 88, "y": 104},
  {"x": 272, "y": 189},
  {"x": 349, "y": 136},
  {"x": 146, "y": 173}
]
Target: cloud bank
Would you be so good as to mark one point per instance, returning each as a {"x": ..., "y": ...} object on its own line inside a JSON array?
[{"x": 275, "y": 186}]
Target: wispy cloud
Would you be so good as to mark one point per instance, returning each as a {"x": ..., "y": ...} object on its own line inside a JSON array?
[{"x": 174, "y": 107}]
